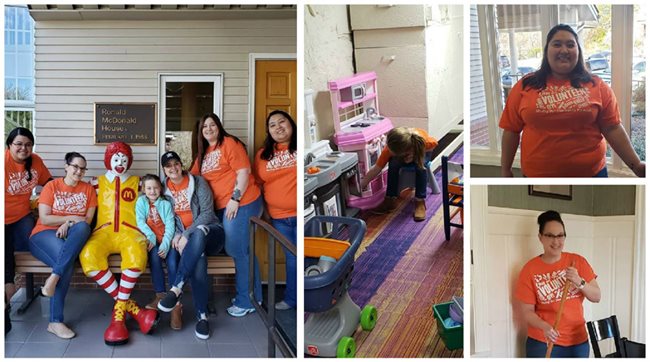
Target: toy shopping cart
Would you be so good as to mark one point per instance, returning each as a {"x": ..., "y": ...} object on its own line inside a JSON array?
[{"x": 333, "y": 316}]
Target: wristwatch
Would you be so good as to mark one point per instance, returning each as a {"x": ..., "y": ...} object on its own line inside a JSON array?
[{"x": 583, "y": 282}]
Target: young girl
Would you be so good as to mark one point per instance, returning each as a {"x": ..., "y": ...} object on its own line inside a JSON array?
[
  {"x": 405, "y": 146},
  {"x": 155, "y": 218}
]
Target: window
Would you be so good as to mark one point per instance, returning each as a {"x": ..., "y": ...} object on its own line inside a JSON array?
[
  {"x": 184, "y": 100},
  {"x": 19, "y": 69},
  {"x": 507, "y": 42},
  {"x": 19, "y": 54}
]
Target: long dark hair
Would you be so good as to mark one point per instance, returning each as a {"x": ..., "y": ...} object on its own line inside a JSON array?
[
  {"x": 202, "y": 144},
  {"x": 269, "y": 142},
  {"x": 578, "y": 76},
  {"x": 550, "y": 215},
  {"x": 22, "y": 131}
]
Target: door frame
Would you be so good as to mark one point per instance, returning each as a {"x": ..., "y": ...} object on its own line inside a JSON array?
[
  {"x": 216, "y": 78},
  {"x": 252, "y": 62}
]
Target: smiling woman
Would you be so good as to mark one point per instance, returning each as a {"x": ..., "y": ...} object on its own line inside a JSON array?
[
  {"x": 562, "y": 109},
  {"x": 538, "y": 294}
]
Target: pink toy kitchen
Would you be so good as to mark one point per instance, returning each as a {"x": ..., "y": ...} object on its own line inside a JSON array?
[{"x": 360, "y": 128}]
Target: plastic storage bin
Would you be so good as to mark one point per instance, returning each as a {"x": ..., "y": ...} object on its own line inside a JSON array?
[{"x": 452, "y": 337}]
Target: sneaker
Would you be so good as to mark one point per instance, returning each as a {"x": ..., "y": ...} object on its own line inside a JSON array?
[
  {"x": 202, "y": 329},
  {"x": 232, "y": 301},
  {"x": 235, "y": 311},
  {"x": 169, "y": 301},
  {"x": 282, "y": 306}
]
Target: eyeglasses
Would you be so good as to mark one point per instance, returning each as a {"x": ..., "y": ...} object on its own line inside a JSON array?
[
  {"x": 558, "y": 236},
  {"x": 78, "y": 168},
  {"x": 21, "y": 145}
]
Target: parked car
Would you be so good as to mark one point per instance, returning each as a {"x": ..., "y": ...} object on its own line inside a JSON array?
[
  {"x": 508, "y": 79},
  {"x": 602, "y": 54},
  {"x": 597, "y": 64}
]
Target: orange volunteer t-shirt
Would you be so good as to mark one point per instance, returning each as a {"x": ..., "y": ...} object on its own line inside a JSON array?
[
  {"x": 278, "y": 178},
  {"x": 219, "y": 168},
  {"x": 562, "y": 127},
  {"x": 17, "y": 189},
  {"x": 182, "y": 202},
  {"x": 429, "y": 144},
  {"x": 542, "y": 284},
  {"x": 66, "y": 200},
  {"x": 154, "y": 221}
]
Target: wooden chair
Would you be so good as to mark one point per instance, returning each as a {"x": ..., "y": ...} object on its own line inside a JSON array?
[{"x": 452, "y": 194}]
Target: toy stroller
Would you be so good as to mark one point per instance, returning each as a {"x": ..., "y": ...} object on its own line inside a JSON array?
[{"x": 329, "y": 262}]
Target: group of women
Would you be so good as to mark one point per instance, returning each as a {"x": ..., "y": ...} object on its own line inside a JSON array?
[{"x": 221, "y": 171}]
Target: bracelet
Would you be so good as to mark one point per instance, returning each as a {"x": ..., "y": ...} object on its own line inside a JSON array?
[
  {"x": 70, "y": 223},
  {"x": 234, "y": 199}
]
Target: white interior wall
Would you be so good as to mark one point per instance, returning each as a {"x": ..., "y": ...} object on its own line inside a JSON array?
[
  {"x": 327, "y": 56},
  {"x": 500, "y": 252},
  {"x": 445, "y": 62}
]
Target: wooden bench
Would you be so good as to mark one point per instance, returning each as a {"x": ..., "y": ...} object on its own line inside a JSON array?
[{"x": 27, "y": 264}]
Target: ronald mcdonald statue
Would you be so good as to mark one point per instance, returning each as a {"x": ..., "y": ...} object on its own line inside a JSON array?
[{"x": 117, "y": 233}]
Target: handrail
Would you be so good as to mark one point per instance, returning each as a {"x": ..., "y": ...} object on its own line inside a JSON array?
[{"x": 268, "y": 318}]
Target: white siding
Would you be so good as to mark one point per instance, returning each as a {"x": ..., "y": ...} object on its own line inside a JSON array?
[
  {"x": 477, "y": 106},
  {"x": 82, "y": 62}
]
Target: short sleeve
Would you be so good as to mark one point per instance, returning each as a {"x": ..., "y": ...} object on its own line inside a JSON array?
[
  {"x": 384, "y": 157},
  {"x": 47, "y": 195},
  {"x": 609, "y": 115},
  {"x": 92, "y": 197},
  {"x": 195, "y": 169},
  {"x": 236, "y": 154},
  {"x": 585, "y": 270},
  {"x": 525, "y": 290},
  {"x": 510, "y": 118},
  {"x": 43, "y": 172},
  {"x": 258, "y": 163}
]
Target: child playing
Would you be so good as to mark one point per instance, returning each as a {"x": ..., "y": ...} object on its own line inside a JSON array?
[
  {"x": 155, "y": 218},
  {"x": 405, "y": 146}
]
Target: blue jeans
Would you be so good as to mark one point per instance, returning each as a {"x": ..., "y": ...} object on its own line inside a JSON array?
[
  {"x": 237, "y": 239},
  {"x": 394, "y": 165},
  {"x": 192, "y": 265},
  {"x": 602, "y": 173},
  {"x": 157, "y": 273},
  {"x": 287, "y": 227},
  {"x": 60, "y": 254},
  {"x": 16, "y": 239},
  {"x": 537, "y": 349}
]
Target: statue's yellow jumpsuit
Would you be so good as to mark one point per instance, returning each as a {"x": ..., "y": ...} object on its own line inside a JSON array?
[{"x": 116, "y": 231}]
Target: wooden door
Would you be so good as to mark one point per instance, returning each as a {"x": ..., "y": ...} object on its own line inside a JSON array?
[{"x": 275, "y": 88}]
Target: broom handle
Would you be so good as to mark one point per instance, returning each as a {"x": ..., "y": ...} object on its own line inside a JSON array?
[{"x": 558, "y": 316}]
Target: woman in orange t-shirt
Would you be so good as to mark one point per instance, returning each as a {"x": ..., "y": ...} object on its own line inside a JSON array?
[
  {"x": 66, "y": 208},
  {"x": 277, "y": 173},
  {"x": 564, "y": 114},
  {"x": 24, "y": 170},
  {"x": 405, "y": 147},
  {"x": 222, "y": 160},
  {"x": 538, "y": 294}
]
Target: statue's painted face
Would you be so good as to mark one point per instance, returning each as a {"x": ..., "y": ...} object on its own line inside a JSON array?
[{"x": 119, "y": 163}]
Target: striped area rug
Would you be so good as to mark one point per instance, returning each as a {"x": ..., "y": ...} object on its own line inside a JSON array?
[{"x": 403, "y": 268}]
